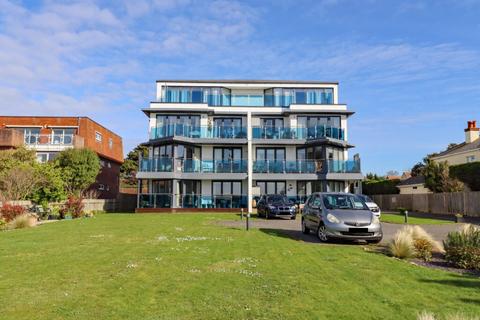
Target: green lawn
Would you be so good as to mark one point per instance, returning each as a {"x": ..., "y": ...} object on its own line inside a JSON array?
[
  {"x": 125, "y": 266},
  {"x": 400, "y": 218}
]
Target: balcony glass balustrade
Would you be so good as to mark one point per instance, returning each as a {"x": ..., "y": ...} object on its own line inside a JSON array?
[
  {"x": 343, "y": 166},
  {"x": 206, "y": 132},
  {"x": 318, "y": 132},
  {"x": 281, "y": 166},
  {"x": 167, "y": 200}
]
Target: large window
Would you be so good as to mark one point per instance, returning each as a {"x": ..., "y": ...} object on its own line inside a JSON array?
[
  {"x": 272, "y": 187},
  {"x": 284, "y": 97},
  {"x": 227, "y": 194},
  {"x": 271, "y": 154},
  {"x": 63, "y": 136},
  {"x": 212, "y": 96},
  {"x": 315, "y": 121}
]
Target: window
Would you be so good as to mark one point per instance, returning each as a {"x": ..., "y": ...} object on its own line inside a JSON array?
[
  {"x": 110, "y": 143},
  {"x": 470, "y": 159},
  {"x": 109, "y": 165},
  {"x": 101, "y": 187},
  {"x": 227, "y": 194},
  {"x": 272, "y": 187},
  {"x": 212, "y": 96},
  {"x": 98, "y": 136},
  {"x": 42, "y": 157},
  {"x": 284, "y": 97},
  {"x": 102, "y": 163}
]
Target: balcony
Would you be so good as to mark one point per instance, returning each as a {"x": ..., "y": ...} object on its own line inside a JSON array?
[
  {"x": 53, "y": 142},
  {"x": 343, "y": 166},
  {"x": 163, "y": 164},
  {"x": 168, "y": 200},
  {"x": 198, "y": 132},
  {"x": 281, "y": 166},
  {"x": 318, "y": 132}
]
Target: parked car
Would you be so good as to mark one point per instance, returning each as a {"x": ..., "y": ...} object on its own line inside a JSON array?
[
  {"x": 371, "y": 205},
  {"x": 340, "y": 216},
  {"x": 276, "y": 205}
]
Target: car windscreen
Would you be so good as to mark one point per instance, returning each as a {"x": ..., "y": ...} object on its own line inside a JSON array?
[
  {"x": 278, "y": 199},
  {"x": 344, "y": 201}
]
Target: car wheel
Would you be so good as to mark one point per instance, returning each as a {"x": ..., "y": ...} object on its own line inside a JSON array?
[
  {"x": 305, "y": 230},
  {"x": 293, "y": 217},
  {"x": 374, "y": 241},
  {"x": 322, "y": 233}
]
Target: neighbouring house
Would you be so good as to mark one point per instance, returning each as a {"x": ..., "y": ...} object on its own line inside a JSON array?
[
  {"x": 413, "y": 185},
  {"x": 465, "y": 152},
  {"x": 219, "y": 144},
  {"x": 50, "y": 135}
]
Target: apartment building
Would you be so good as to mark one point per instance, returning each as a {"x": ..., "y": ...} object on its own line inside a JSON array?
[
  {"x": 50, "y": 135},
  {"x": 220, "y": 144}
]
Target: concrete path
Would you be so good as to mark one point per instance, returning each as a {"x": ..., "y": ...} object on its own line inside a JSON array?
[{"x": 292, "y": 229}]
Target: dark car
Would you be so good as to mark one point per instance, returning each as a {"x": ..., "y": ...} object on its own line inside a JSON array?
[{"x": 276, "y": 205}]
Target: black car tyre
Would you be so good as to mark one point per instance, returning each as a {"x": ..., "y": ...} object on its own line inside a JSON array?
[
  {"x": 305, "y": 230},
  {"x": 293, "y": 217},
  {"x": 322, "y": 233},
  {"x": 375, "y": 241}
]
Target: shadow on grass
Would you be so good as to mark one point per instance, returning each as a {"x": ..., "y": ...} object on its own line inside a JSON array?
[{"x": 461, "y": 281}]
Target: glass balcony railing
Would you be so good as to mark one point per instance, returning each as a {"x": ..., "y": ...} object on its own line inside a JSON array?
[
  {"x": 167, "y": 200},
  {"x": 49, "y": 139},
  {"x": 280, "y": 166},
  {"x": 318, "y": 132},
  {"x": 207, "y": 132},
  {"x": 164, "y": 164},
  {"x": 344, "y": 166}
]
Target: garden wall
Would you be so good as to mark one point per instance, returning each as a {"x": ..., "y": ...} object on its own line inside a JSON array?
[
  {"x": 124, "y": 203},
  {"x": 466, "y": 203}
]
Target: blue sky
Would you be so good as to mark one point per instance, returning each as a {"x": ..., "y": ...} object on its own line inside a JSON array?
[{"x": 410, "y": 69}]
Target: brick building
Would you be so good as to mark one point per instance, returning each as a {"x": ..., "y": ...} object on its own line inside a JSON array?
[{"x": 50, "y": 135}]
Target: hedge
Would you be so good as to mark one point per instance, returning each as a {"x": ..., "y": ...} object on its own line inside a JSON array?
[
  {"x": 370, "y": 187},
  {"x": 468, "y": 173}
]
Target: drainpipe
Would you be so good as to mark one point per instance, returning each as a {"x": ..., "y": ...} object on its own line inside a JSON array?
[{"x": 249, "y": 161}]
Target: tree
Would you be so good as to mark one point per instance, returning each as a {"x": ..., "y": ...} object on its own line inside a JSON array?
[
  {"x": 129, "y": 167},
  {"x": 51, "y": 187},
  {"x": 14, "y": 158},
  {"x": 417, "y": 169},
  {"x": 437, "y": 177},
  {"x": 18, "y": 183},
  {"x": 80, "y": 168},
  {"x": 392, "y": 173}
]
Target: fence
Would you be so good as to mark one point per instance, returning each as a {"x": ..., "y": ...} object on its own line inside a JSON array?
[
  {"x": 466, "y": 203},
  {"x": 124, "y": 203}
]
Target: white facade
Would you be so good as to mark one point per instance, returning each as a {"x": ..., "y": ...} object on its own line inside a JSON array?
[{"x": 210, "y": 142}]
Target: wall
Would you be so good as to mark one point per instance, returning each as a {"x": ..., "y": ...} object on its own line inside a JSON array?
[
  {"x": 459, "y": 158},
  {"x": 467, "y": 203},
  {"x": 410, "y": 190}
]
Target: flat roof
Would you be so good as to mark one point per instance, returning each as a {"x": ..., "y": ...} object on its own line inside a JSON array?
[{"x": 251, "y": 81}]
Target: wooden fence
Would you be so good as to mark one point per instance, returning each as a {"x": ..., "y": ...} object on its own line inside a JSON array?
[{"x": 466, "y": 203}]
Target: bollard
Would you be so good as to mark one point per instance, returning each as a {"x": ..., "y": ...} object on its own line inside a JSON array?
[
  {"x": 406, "y": 216},
  {"x": 248, "y": 221},
  {"x": 241, "y": 214}
]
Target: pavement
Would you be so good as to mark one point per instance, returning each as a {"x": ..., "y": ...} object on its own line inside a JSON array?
[{"x": 292, "y": 228}]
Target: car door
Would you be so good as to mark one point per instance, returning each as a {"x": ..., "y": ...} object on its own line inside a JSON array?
[{"x": 315, "y": 211}]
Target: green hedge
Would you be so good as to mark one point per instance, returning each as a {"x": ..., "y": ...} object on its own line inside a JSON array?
[
  {"x": 468, "y": 173},
  {"x": 370, "y": 187}
]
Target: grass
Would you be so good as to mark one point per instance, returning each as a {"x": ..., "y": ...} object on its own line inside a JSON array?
[
  {"x": 125, "y": 266},
  {"x": 399, "y": 218}
]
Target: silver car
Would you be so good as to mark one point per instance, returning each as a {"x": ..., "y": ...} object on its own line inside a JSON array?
[{"x": 340, "y": 216}]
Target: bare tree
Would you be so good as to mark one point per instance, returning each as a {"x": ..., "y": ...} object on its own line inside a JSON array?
[{"x": 18, "y": 183}]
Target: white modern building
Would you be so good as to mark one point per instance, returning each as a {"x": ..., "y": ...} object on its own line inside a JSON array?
[{"x": 220, "y": 143}]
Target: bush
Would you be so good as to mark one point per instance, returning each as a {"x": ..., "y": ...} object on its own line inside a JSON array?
[
  {"x": 462, "y": 248},
  {"x": 73, "y": 207},
  {"x": 402, "y": 245},
  {"x": 423, "y": 249},
  {"x": 371, "y": 187},
  {"x": 10, "y": 212},
  {"x": 413, "y": 241},
  {"x": 3, "y": 224},
  {"x": 22, "y": 221},
  {"x": 468, "y": 173}
]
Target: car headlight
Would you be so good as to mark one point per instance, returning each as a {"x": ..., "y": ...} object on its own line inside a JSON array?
[
  {"x": 293, "y": 208},
  {"x": 375, "y": 209},
  {"x": 272, "y": 207},
  {"x": 375, "y": 219},
  {"x": 331, "y": 218}
]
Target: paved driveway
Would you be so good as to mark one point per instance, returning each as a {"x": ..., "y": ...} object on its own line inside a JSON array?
[{"x": 292, "y": 228}]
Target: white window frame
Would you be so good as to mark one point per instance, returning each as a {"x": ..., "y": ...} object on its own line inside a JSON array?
[{"x": 98, "y": 136}]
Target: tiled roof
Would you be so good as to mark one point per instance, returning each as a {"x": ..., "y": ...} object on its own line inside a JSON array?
[{"x": 412, "y": 181}]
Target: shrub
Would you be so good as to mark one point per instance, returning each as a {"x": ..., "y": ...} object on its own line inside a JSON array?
[
  {"x": 423, "y": 249},
  {"x": 402, "y": 245},
  {"x": 22, "y": 221},
  {"x": 411, "y": 241},
  {"x": 10, "y": 212},
  {"x": 371, "y": 187},
  {"x": 462, "y": 248},
  {"x": 3, "y": 224},
  {"x": 468, "y": 173},
  {"x": 73, "y": 207}
]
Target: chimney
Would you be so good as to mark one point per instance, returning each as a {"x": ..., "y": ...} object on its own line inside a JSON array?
[{"x": 472, "y": 132}]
